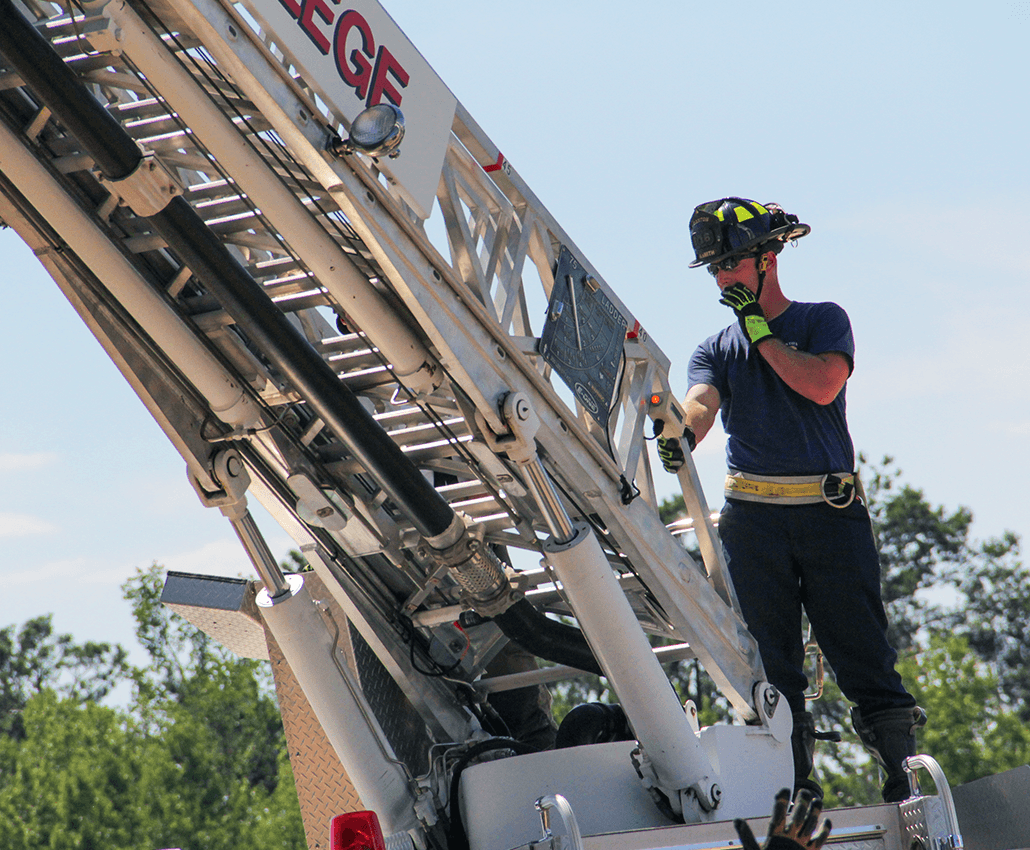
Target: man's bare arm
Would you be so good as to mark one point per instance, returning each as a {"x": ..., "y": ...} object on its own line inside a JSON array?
[
  {"x": 701, "y": 406},
  {"x": 818, "y": 377}
]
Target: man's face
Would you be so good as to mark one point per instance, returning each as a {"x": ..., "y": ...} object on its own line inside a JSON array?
[{"x": 745, "y": 271}]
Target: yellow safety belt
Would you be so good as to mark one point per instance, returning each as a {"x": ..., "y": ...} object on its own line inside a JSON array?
[{"x": 837, "y": 489}]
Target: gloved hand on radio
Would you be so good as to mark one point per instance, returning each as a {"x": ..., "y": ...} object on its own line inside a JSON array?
[
  {"x": 795, "y": 834},
  {"x": 749, "y": 312}
]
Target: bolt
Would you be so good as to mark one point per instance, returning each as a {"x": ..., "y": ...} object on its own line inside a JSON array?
[{"x": 715, "y": 794}]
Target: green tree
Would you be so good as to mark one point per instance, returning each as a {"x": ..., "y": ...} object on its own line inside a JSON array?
[
  {"x": 672, "y": 509},
  {"x": 993, "y": 613},
  {"x": 198, "y": 759},
  {"x": 33, "y": 658},
  {"x": 89, "y": 776},
  {"x": 75, "y": 779},
  {"x": 918, "y": 543},
  {"x": 972, "y": 732},
  {"x": 195, "y": 688}
]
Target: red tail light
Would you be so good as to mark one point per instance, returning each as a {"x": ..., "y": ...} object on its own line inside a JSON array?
[{"x": 356, "y": 831}]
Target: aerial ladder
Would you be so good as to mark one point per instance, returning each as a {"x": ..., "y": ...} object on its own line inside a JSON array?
[{"x": 336, "y": 296}]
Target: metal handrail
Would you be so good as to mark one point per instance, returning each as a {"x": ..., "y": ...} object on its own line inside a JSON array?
[{"x": 928, "y": 763}]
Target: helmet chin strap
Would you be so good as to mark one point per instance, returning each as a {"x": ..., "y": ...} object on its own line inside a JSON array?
[{"x": 760, "y": 266}]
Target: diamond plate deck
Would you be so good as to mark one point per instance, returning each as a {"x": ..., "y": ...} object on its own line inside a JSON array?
[{"x": 223, "y": 608}]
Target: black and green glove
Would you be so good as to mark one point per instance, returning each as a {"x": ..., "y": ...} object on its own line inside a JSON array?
[
  {"x": 670, "y": 452},
  {"x": 804, "y": 831},
  {"x": 749, "y": 312}
]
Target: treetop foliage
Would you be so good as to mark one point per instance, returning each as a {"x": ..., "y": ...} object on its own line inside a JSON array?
[
  {"x": 197, "y": 759},
  {"x": 34, "y": 658}
]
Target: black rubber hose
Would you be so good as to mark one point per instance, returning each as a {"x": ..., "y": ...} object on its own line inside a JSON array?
[
  {"x": 273, "y": 334},
  {"x": 547, "y": 638},
  {"x": 593, "y": 723},
  {"x": 458, "y": 838}
]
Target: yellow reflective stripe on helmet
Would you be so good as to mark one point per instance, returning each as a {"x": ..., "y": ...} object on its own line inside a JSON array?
[{"x": 743, "y": 213}]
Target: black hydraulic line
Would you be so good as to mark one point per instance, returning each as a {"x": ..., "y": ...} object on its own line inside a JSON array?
[
  {"x": 273, "y": 334},
  {"x": 458, "y": 837},
  {"x": 593, "y": 723},
  {"x": 547, "y": 638},
  {"x": 117, "y": 155}
]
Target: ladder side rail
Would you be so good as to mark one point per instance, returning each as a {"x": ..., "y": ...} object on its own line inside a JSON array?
[{"x": 172, "y": 401}]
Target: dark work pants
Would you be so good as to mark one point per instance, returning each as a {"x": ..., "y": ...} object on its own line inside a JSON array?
[{"x": 783, "y": 558}]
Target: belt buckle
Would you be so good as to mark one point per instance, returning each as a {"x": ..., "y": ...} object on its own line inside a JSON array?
[{"x": 837, "y": 492}]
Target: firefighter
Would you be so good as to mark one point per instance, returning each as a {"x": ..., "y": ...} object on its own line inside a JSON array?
[{"x": 794, "y": 528}]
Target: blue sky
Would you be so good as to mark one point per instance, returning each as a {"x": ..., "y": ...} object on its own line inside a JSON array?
[{"x": 897, "y": 131}]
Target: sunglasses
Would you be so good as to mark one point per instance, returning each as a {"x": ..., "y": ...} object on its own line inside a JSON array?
[{"x": 728, "y": 264}]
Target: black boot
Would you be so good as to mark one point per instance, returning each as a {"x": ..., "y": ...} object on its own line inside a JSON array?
[
  {"x": 890, "y": 737},
  {"x": 802, "y": 742}
]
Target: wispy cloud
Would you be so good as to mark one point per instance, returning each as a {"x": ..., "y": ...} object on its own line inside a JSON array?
[
  {"x": 1012, "y": 429},
  {"x": 46, "y": 572},
  {"x": 11, "y": 462},
  {"x": 23, "y": 525},
  {"x": 223, "y": 557}
]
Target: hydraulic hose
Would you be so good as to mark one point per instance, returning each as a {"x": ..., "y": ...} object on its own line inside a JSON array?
[{"x": 547, "y": 638}]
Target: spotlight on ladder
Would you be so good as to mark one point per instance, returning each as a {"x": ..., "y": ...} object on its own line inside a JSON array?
[{"x": 375, "y": 132}]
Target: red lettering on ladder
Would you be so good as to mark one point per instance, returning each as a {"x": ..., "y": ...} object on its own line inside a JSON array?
[{"x": 374, "y": 73}]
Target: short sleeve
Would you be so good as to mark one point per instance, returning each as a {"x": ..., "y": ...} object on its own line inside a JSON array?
[{"x": 707, "y": 367}]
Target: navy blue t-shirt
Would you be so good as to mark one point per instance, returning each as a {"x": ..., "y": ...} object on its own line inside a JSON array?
[{"x": 772, "y": 429}]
